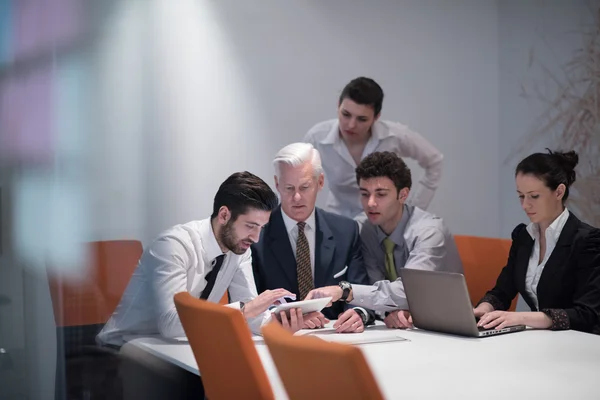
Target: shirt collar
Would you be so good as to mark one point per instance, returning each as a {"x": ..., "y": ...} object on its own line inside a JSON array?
[
  {"x": 555, "y": 227},
  {"x": 334, "y": 134},
  {"x": 291, "y": 224},
  {"x": 209, "y": 241},
  {"x": 397, "y": 235},
  {"x": 378, "y": 131}
]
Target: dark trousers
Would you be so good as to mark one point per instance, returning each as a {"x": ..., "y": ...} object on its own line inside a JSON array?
[{"x": 145, "y": 376}]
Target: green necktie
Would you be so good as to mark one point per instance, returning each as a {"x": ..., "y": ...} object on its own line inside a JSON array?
[{"x": 390, "y": 267}]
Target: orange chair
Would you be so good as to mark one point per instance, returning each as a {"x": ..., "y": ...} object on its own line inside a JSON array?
[
  {"x": 483, "y": 259},
  {"x": 225, "y": 299},
  {"x": 305, "y": 365},
  {"x": 224, "y": 350},
  {"x": 81, "y": 308},
  {"x": 92, "y": 300}
]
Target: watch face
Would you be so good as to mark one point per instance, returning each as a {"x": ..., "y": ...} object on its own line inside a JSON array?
[{"x": 345, "y": 286}]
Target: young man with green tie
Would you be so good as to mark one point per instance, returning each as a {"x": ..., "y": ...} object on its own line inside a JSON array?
[{"x": 395, "y": 236}]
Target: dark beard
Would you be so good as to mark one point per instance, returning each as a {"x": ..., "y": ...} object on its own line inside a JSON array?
[{"x": 229, "y": 240}]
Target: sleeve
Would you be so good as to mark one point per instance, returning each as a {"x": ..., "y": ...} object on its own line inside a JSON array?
[
  {"x": 584, "y": 313},
  {"x": 415, "y": 146},
  {"x": 428, "y": 253},
  {"x": 243, "y": 288},
  {"x": 167, "y": 261},
  {"x": 309, "y": 137},
  {"x": 502, "y": 295}
]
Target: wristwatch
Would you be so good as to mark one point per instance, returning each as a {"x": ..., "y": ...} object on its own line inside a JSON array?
[{"x": 346, "y": 288}]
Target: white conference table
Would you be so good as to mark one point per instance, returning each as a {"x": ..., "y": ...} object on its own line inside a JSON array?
[{"x": 531, "y": 364}]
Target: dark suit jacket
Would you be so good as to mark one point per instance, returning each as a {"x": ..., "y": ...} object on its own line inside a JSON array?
[
  {"x": 337, "y": 243},
  {"x": 569, "y": 287}
]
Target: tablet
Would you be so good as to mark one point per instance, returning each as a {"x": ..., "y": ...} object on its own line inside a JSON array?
[{"x": 307, "y": 306}]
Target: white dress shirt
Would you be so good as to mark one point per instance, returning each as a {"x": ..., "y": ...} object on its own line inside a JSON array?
[
  {"x": 291, "y": 227},
  {"x": 340, "y": 167},
  {"x": 178, "y": 260},
  {"x": 535, "y": 268}
]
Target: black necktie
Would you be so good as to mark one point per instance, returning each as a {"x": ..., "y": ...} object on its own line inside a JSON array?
[{"x": 211, "y": 277}]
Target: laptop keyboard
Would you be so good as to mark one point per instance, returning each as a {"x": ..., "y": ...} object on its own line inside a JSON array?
[{"x": 481, "y": 328}]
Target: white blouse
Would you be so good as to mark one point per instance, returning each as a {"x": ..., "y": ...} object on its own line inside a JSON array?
[
  {"x": 339, "y": 166},
  {"x": 535, "y": 268}
]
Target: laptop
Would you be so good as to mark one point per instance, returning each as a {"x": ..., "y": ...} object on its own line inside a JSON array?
[{"x": 439, "y": 301}]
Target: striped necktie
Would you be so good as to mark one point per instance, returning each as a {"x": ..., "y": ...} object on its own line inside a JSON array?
[{"x": 303, "y": 267}]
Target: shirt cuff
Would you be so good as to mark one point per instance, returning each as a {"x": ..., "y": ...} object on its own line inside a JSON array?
[
  {"x": 235, "y": 305},
  {"x": 360, "y": 293},
  {"x": 493, "y": 300},
  {"x": 559, "y": 317},
  {"x": 365, "y": 313}
]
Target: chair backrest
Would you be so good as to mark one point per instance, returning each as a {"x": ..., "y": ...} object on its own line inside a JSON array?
[
  {"x": 225, "y": 299},
  {"x": 224, "y": 350},
  {"x": 93, "y": 299},
  {"x": 305, "y": 365},
  {"x": 483, "y": 259}
]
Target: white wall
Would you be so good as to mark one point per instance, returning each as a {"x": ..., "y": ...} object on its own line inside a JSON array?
[
  {"x": 232, "y": 82},
  {"x": 117, "y": 178}
]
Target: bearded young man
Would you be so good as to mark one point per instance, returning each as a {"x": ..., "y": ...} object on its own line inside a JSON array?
[{"x": 205, "y": 258}]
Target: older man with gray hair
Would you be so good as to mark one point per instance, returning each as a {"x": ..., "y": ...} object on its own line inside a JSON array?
[{"x": 303, "y": 246}]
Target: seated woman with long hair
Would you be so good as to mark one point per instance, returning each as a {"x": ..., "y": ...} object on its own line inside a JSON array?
[{"x": 554, "y": 262}]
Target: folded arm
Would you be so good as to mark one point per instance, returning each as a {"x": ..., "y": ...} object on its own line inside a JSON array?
[{"x": 429, "y": 158}]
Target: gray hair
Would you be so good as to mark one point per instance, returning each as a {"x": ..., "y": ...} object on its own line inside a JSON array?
[{"x": 296, "y": 154}]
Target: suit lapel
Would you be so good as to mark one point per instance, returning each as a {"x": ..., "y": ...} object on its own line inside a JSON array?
[
  {"x": 325, "y": 248},
  {"x": 279, "y": 242},
  {"x": 523, "y": 256},
  {"x": 560, "y": 253}
]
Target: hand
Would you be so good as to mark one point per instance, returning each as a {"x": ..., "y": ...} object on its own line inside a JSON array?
[
  {"x": 399, "y": 319},
  {"x": 482, "y": 309},
  {"x": 317, "y": 322},
  {"x": 295, "y": 321},
  {"x": 500, "y": 319},
  {"x": 335, "y": 292},
  {"x": 349, "y": 322},
  {"x": 263, "y": 301}
]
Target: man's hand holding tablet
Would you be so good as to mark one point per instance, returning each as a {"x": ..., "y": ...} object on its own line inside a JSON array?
[
  {"x": 308, "y": 309},
  {"x": 293, "y": 320}
]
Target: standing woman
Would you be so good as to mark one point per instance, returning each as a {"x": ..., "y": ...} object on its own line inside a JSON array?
[
  {"x": 554, "y": 262},
  {"x": 357, "y": 132}
]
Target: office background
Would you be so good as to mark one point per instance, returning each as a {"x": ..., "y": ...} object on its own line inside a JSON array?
[{"x": 172, "y": 98}]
